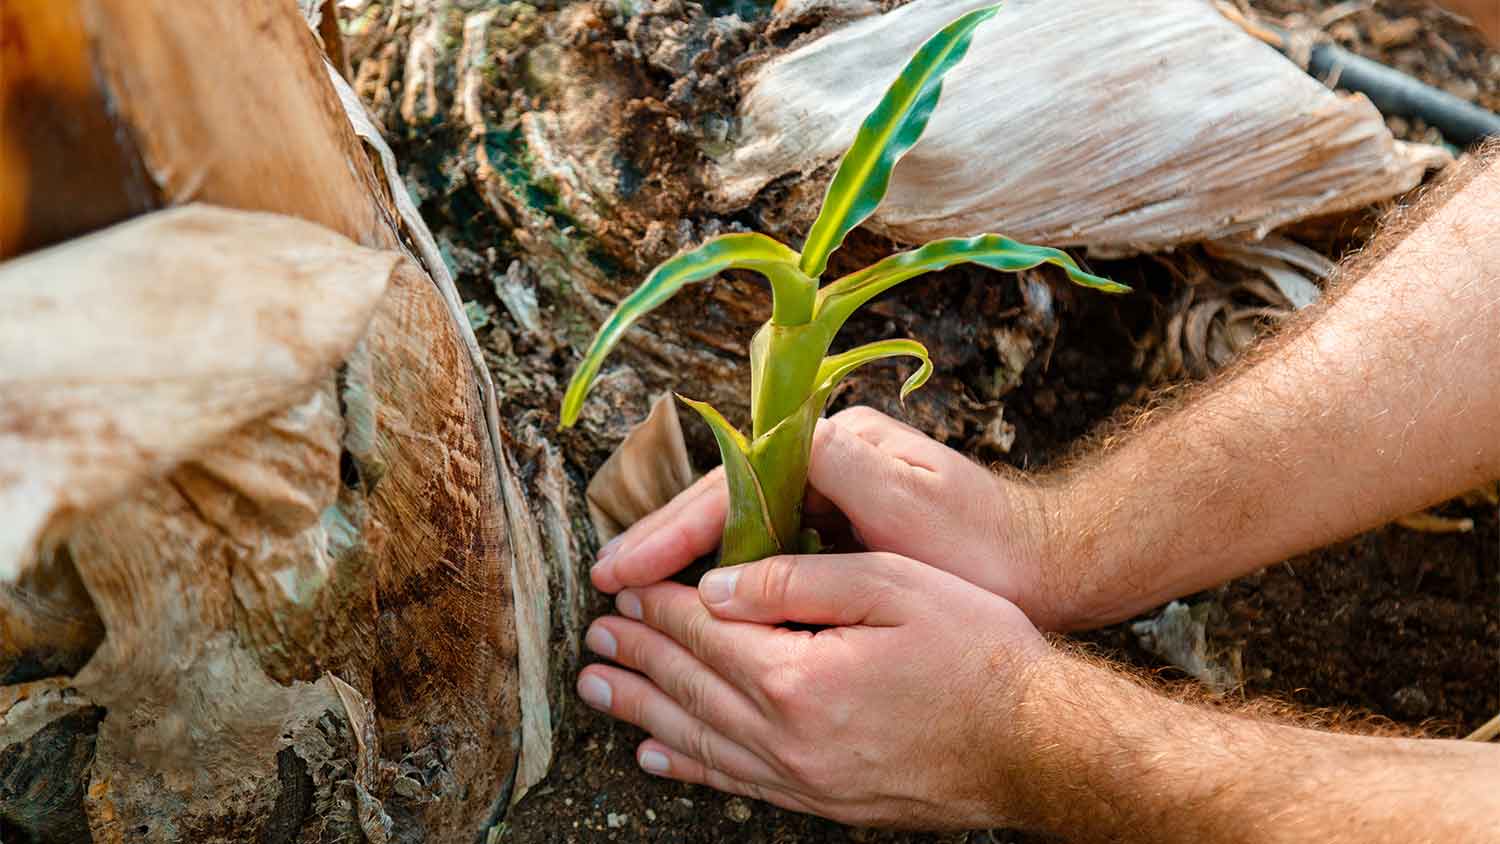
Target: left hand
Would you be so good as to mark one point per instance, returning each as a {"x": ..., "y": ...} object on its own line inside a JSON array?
[{"x": 899, "y": 713}]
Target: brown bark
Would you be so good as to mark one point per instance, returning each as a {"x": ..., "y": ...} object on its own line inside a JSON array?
[{"x": 300, "y": 628}]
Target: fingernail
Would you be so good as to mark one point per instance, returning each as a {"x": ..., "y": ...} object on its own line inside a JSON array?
[
  {"x": 717, "y": 586},
  {"x": 655, "y": 761},
  {"x": 629, "y": 605},
  {"x": 601, "y": 642},
  {"x": 595, "y": 692},
  {"x": 609, "y": 548}
]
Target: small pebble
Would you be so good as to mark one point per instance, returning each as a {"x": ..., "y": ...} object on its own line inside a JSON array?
[
  {"x": 616, "y": 821},
  {"x": 650, "y": 815},
  {"x": 737, "y": 810},
  {"x": 1411, "y": 702}
]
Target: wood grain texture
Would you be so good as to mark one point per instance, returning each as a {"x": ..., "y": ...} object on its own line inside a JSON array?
[{"x": 299, "y": 628}]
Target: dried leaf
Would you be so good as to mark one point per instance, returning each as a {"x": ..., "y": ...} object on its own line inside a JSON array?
[
  {"x": 1180, "y": 125},
  {"x": 127, "y": 389},
  {"x": 646, "y": 472}
]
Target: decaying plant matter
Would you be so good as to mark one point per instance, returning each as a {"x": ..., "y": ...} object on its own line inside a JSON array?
[
  {"x": 260, "y": 562},
  {"x": 791, "y": 373}
]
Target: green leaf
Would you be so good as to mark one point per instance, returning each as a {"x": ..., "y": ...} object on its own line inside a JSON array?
[
  {"x": 748, "y": 530},
  {"x": 784, "y": 362},
  {"x": 792, "y": 290},
  {"x": 841, "y": 298},
  {"x": 836, "y": 367},
  {"x": 780, "y": 456},
  {"x": 887, "y": 133}
]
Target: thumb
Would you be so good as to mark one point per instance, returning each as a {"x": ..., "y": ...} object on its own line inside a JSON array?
[{"x": 831, "y": 589}]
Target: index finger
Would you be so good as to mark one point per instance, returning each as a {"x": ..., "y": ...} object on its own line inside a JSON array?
[
  {"x": 668, "y": 540},
  {"x": 743, "y": 653}
]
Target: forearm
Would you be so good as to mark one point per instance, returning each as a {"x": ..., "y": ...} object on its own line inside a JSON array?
[
  {"x": 1385, "y": 402},
  {"x": 1113, "y": 761}
]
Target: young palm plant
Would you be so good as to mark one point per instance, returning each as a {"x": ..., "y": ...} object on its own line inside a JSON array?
[{"x": 791, "y": 373}]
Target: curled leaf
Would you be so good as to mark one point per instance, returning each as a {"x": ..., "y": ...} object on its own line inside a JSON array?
[
  {"x": 836, "y": 367},
  {"x": 756, "y": 252},
  {"x": 781, "y": 455},
  {"x": 749, "y": 533}
]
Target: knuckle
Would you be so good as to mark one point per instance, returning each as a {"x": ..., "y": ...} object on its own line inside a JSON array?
[
  {"x": 678, "y": 535},
  {"x": 633, "y": 707},
  {"x": 693, "y": 692},
  {"x": 783, "y": 685},
  {"x": 702, "y": 745},
  {"x": 860, "y": 413},
  {"x": 755, "y": 791},
  {"x": 776, "y": 578},
  {"x": 695, "y": 631},
  {"x": 804, "y": 766},
  {"x": 887, "y": 570}
]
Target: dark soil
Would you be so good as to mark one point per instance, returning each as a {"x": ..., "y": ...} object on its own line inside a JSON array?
[{"x": 1393, "y": 623}]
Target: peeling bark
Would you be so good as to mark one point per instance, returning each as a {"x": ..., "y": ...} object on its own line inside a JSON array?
[{"x": 298, "y": 625}]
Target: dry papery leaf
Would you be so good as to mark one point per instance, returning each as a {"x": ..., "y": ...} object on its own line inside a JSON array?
[
  {"x": 145, "y": 365},
  {"x": 645, "y": 473},
  {"x": 1119, "y": 127}
]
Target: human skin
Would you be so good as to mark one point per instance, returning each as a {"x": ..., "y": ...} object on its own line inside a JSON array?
[
  {"x": 1379, "y": 403},
  {"x": 930, "y": 701}
]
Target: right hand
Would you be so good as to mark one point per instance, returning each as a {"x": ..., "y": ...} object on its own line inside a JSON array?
[
  {"x": 901, "y": 491},
  {"x": 909, "y": 708}
]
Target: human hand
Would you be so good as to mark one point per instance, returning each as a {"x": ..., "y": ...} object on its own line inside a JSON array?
[
  {"x": 902, "y": 712},
  {"x": 901, "y": 491}
]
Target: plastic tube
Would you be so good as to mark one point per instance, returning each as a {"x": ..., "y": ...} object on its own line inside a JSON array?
[{"x": 1395, "y": 93}]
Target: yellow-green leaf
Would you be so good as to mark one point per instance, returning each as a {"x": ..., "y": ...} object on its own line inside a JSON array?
[
  {"x": 839, "y": 299},
  {"x": 835, "y": 367},
  {"x": 780, "y": 456},
  {"x": 748, "y": 530},
  {"x": 792, "y": 290},
  {"x": 887, "y": 133}
]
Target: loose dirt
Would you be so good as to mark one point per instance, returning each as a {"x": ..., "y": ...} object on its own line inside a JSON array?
[{"x": 1393, "y": 623}]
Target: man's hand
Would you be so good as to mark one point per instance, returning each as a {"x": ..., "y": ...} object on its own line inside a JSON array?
[
  {"x": 899, "y": 712},
  {"x": 901, "y": 492},
  {"x": 1375, "y": 404},
  {"x": 928, "y": 702}
]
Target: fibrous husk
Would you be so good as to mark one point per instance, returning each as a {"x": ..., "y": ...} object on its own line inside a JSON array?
[
  {"x": 1119, "y": 127},
  {"x": 790, "y": 12},
  {"x": 1291, "y": 267},
  {"x": 121, "y": 362},
  {"x": 647, "y": 471},
  {"x": 528, "y": 574},
  {"x": 317, "y": 607}
]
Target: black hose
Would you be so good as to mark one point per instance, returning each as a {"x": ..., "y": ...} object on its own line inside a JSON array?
[{"x": 1393, "y": 92}]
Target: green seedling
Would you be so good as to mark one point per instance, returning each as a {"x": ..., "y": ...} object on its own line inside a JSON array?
[{"x": 791, "y": 373}]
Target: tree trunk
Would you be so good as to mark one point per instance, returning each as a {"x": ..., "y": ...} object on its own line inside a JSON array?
[
  {"x": 266, "y": 543},
  {"x": 164, "y": 684}
]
